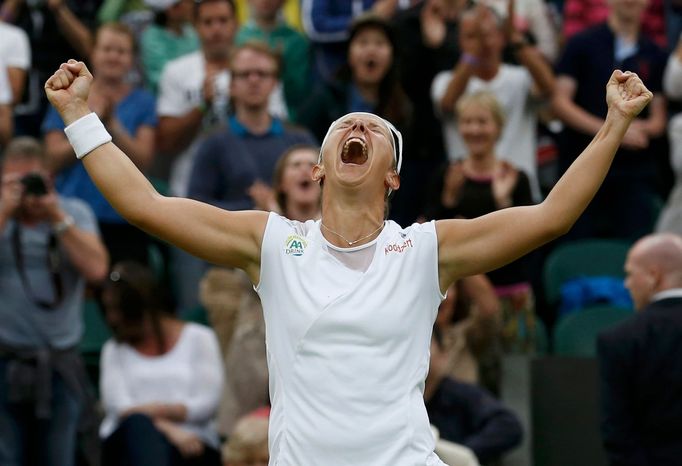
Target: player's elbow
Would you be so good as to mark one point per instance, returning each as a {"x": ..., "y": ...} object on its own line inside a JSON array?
[
  {"x": 554, "y": 224},
  {"x": 557, "y": 228}
]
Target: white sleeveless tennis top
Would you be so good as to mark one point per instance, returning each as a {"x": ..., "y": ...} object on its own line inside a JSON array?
[{"x": 348, "y": 351}]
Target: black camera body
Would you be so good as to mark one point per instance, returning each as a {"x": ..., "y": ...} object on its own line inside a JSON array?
[{"x": 34, "y": 184}]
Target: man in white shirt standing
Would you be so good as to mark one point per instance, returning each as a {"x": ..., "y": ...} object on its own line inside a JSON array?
[{"x": 519, "y": 88}]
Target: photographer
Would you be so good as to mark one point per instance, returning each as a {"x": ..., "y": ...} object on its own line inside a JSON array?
[{"x": 49, "y": 247}]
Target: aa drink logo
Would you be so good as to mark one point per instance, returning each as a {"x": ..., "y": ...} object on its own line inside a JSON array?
[{"x": 295, "y": 245}]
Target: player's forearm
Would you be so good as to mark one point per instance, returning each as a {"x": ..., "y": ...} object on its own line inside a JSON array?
[
  {"x": 120, "y": 182},
  {"x": 579, "y": 184},
  {"x": 114, "y": 174}
]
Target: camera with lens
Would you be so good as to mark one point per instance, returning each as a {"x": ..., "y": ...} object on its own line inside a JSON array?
[{"x": 34, "y": 184}]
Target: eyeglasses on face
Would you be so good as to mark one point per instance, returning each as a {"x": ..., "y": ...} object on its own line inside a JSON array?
[{"x": 260, "y": 74}]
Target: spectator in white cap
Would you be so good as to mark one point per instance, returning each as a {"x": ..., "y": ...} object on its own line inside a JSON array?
[{"x": 170, "y": 36}]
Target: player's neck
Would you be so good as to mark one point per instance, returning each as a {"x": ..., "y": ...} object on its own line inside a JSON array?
[{"x": 346, "y": 223}]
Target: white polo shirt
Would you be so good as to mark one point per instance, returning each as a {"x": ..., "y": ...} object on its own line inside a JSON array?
[{"x": 348, "y": 350}]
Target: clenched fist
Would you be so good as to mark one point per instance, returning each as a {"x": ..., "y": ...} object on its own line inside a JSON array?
[
  {"x": 626, "y": 94},
  {"x": 67, "y": 90}
]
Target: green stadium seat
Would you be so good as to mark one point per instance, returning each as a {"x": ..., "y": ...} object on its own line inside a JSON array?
[
  {"x": 590, "y": 257},
  {"x": 576, "y": 333}
]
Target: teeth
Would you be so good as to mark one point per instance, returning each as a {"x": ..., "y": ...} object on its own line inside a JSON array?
[{"x": 346, "y": 146}]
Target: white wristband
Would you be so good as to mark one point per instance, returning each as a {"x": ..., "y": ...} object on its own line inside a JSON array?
[{"x": 86, "y": 134}]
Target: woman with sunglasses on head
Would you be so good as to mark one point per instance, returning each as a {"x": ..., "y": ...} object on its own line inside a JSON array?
[
  {"x": 349, "y": 300},
  {"x": 160, "y": 381}
]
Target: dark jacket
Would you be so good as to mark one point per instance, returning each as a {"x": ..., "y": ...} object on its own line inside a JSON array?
[
  {"x": 640, "y": 363},
  {"x": 468, "y": 415}
]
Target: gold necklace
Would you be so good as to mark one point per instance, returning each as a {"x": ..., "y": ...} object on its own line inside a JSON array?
[{"x": 350, "y": 243}]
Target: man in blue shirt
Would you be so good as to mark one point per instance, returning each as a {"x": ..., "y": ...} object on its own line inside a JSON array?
[{"x": 234, "y": 166}]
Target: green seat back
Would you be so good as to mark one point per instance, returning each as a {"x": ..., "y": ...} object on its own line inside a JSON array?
[
  {"x": 576, "y": 333},
  {"x": 592, "y": 257},
  {"x": 95, "y": 333}
]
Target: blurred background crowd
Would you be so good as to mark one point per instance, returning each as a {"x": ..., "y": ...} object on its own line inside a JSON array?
[{"x": 118, "y": 349}]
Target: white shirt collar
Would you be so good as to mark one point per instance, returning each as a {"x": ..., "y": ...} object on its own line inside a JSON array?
[{"x": 671, "y": 293}]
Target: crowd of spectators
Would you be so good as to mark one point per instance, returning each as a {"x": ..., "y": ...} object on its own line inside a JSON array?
[{"x": 227, "y": 102}]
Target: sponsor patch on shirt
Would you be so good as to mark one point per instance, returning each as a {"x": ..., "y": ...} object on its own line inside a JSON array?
[
  {"x": 398, "y": 247},
  {"x": 295, "y": 245}
]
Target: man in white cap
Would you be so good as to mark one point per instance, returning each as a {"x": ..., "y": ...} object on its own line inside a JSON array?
[{"x": 350, "y": 300}]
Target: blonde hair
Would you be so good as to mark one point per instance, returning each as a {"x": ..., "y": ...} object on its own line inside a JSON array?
[
  {"x": 249, "y": 438},
  {"x": 483, "y": 99}
]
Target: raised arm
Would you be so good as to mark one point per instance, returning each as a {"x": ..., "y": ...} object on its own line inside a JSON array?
[
  {"x": 215, "y": 235},
  {"x": 479, "y": 245}
]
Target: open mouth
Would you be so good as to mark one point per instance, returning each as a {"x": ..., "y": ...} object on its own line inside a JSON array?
[
  {"x": 305, "y": 184},
  {"x": 354, "y": 151}
]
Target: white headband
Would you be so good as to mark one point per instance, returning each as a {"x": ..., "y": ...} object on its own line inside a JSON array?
[{"x": 396, "y": 140}]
